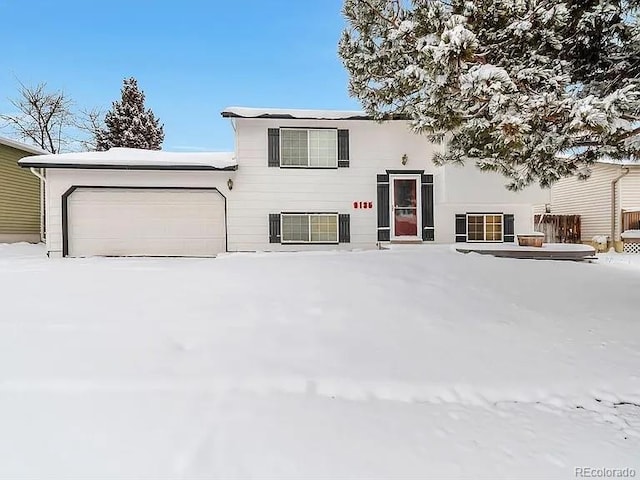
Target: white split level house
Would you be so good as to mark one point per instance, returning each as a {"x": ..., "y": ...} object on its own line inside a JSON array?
[{"x": 297, "y": 180}]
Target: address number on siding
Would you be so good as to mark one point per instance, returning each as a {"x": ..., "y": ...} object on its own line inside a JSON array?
[{"x": 362, "y": 204}]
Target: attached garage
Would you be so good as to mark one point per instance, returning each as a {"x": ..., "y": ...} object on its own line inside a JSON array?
[
  {"x": 136, "y": 203},
  {"x": 143, "y": 221}
]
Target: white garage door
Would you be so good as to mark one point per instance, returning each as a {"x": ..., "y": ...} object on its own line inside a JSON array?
[{"x": 137, "y": 222}]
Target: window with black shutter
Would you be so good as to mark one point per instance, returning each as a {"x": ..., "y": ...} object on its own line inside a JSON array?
[
  {"x": 308, "y": 148},
  {"x": 484, "y": 227}
]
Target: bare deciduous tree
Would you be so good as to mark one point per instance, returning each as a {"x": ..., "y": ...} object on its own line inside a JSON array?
[
  {"x": 42, "y": 117},
  {"x": 90, "y": 122}
]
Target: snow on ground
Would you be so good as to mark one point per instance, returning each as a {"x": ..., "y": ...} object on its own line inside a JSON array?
[
  {"x": 620, "y": 260},
  {"x": 415, "y": 362},
  {"x": 552, "y": 247}
]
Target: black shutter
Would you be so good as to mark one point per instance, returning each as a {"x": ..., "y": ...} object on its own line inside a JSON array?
[
  {"x": 343, "y": 148},
  {"x": 344, "y": 228},
  {"x": 508, "y": 228},
  {"x": 274, "y": 147},
  {"x": 274, "y": 228},
  {"x": 461, "y": 227},
  {"x": 384, "y": 226},
  {"x": 428, "y": 230}
]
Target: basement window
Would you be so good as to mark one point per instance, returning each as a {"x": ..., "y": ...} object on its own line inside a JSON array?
[{"x": 484, "y": 228}]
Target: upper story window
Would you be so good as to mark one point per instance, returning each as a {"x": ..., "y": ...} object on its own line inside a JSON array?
[{"x": 308, "y": 148}]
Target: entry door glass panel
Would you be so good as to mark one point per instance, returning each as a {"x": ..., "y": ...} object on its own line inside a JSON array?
[{"x": 405, "y": 207}]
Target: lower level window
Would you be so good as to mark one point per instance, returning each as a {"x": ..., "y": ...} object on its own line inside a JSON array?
[
  {"x": 309, "y": 228},
  {"x": 484, "y": 228}
]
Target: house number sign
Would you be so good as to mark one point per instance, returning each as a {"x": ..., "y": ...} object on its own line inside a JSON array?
[{"x": 362, "y": 204}]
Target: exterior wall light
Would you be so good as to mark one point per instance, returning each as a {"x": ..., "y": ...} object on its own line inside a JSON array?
[
  {"x": 230, "y": 184},
  {"x": 405, "y": 159}
]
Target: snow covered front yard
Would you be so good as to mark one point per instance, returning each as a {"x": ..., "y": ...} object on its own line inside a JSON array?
[{"x": 408, "y": 363}]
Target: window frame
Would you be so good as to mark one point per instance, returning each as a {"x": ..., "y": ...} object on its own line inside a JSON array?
[
  {"x": 484, "y": 227},
  {"x": 308, "y": 166},
  {"x": 309, "y": 215}
]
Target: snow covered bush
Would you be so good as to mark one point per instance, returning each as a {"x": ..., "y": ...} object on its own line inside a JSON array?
[
  {"x": 535, "y": 89},
  {"x": 129, "y": 124},
  {"x": 601, "y": 239}
]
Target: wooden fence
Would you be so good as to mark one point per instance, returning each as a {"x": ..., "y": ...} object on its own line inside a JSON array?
[
  {"x": 630, "y": 220},
  {"x": 559, "y": 228}
]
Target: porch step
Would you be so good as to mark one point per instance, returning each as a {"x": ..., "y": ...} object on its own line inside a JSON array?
[{"x": 406, "y": 242}]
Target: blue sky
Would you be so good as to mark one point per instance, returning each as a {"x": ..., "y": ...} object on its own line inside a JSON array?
[{"x": 191, "y": 57}]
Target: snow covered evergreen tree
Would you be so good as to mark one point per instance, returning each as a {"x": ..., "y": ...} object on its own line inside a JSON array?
[
  {"x": 534, "y": 89},
  {"x": 128, "y": 124}
]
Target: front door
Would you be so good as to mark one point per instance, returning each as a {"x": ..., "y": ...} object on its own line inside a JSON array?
[{"x": 405, "y": 207}]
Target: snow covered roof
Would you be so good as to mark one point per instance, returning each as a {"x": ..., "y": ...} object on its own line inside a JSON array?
[
  {"x": 628, "y": 234},
  {"x": 288, "y": 113},
  {"x": 22, "y": 146},
  {"x": 622, "y": 163},
  {"x": 606, "y": 160},
  {"x": 135, "y": 159}
]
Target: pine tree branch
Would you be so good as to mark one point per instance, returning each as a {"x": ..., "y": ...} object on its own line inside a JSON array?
[
  {"x": 629, "y": 134},
  {"x": 381, "y": 15}
]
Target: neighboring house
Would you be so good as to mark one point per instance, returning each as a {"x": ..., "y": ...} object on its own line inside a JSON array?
[
  {"x": 612, "y": 189},
  {"x": 298, "y": 179},
  {"x": 21, "y": 196}
]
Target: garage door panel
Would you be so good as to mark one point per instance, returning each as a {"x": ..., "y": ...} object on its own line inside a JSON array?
[
  {"x": 154, "y": 222},
  {"x": 162, "y": 248}
]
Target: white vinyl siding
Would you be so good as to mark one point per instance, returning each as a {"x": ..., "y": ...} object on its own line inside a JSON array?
[
  {"x": 309, "y": 148},
  {"x": 591, "y": 199},
  {"x": 630, "y": 191},
  {"x": 484, "y": 228},
  {"x": 309, "y": 228}
]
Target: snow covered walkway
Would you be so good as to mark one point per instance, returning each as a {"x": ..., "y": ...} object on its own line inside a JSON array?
[{"x": 412, "y": 362}]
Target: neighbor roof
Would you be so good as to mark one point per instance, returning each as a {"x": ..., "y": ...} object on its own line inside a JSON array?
[
  {"x": 21, "y": 146},
  {"x": 135, "y": 159},
  {"x": 287, "y": 113},
  {"x": 621, "y": 163}
]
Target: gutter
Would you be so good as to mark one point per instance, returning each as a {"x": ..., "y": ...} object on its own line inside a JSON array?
[
  {"x": 43, "y": 181},
  {"x": 614, "y": 184},
  {"x": 105, "y": 166}
]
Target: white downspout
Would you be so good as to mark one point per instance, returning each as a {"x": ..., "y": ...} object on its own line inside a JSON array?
[
  {"x": 43, "y": 182},
  {"x": 614, "y": 184}
]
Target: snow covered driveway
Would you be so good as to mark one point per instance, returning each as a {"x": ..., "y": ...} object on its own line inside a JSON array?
[{"x": 408, "y": 363}]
